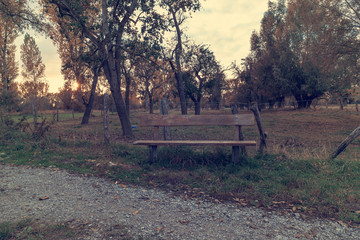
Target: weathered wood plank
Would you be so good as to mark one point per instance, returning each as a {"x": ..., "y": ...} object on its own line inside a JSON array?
[
  {"x": 194, "y": 143},
  {"x": 147, "y": 120}
]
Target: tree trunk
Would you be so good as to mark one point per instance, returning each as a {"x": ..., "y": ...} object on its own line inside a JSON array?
[
  {"x": 180, "y": 88},
  {"x": 34, "y": 111},
  {"x": 164, "y": 110},
  {"x": 106, "y": 119},
  {"x": 197, "y": 107},
  {"x": 151, "y": 104},
  {"x": 178, "y": 71},
  {"x": 114, "y": 80},
  {"x": 341, "y": 103},
  {"x": 357, "y": 107},
  {"x": 57, "y": 111},
  {"x": 122, "y": 114},
  {"x": 234, "y": 108},
  {"x": 346, "y": 142},
  {"x": 254, "y": 108},
  {"x": 127, "y": 94},
  {"x": 89, "y": 105}
]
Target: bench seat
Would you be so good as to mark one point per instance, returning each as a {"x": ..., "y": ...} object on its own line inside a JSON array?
[
  {"x": 194, "y": 142},
  {"x": 157, "y": 121}
]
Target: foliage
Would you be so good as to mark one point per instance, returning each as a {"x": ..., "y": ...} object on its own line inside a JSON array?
[
  {"x": 33, "y": 67},
  {"x": 33, "y": 89},
  {"x": 8, "y": 66},
  {"x": 106, "y": 25},
  {"x": 176, "y": 14},
  {"x": 203, "y": 74},
  {"x": 299, "y": 52},
  {"x": 20, "y": 14},
  {"x": 149, "y": 81}
]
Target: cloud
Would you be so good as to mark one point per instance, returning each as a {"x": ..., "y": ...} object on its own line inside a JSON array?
[{"x": 227, "y": 26}]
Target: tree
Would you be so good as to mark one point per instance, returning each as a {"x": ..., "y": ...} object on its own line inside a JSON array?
[
  {"x": 216, "y": 87},
  {"x": 202, "y": 75},
  {"x": 8, "y": 66},
  {"x": 20, "y": 13},
  {"x": 80, "y": 66},
  {"x": 33, "y": 72},
  {"x": 176, "y": 14},
  {"x": 106, "y": 27},
  {"x": 299, "y": 51},
  {"x": 147, "y": 73},
  {"x": 66, "y": 96}
]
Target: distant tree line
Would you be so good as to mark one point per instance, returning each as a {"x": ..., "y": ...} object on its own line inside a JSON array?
[{"x": 305, "y": 49}]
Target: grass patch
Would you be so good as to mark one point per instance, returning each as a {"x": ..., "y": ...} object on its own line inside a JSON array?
[
  {"x": 293, "y": 176},
  {"x": 27, "y": 229}
]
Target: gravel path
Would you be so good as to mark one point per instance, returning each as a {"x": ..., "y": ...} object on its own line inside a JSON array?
[{"x": 150, "y": 213}]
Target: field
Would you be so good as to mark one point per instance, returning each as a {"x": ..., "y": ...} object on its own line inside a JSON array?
[{"x": 294, "y": 175}]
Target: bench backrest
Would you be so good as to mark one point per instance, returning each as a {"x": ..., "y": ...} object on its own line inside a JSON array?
[{"x": 152, "y": 120}]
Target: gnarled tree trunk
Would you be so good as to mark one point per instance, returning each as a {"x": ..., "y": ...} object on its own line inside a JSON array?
[{"x": 89, "y": 105}]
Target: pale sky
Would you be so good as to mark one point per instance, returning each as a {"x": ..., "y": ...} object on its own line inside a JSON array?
[{"x": 224, "y": 25}]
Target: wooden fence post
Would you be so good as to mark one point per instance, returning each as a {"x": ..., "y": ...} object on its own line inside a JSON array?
[
  {"x": 57, "y": 111},
  {"x": 238, "y": 135},
  {"x": 346, "y": 142},
  {"x": 254, "y": 108},
  {"x": 164, "y": 110},
  {"x": 106, "y": 119}
]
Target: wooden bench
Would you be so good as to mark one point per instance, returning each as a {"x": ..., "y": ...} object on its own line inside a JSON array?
[{"x": 157, "y": 121}]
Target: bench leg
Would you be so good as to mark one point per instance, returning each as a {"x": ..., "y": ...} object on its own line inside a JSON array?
[
  {"x": 152, "y": 153},
  {"x": 235, "y": 154}
]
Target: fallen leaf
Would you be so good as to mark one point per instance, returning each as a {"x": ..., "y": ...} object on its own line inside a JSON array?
[
  {"x": 122, "y": 185},
  {"x": 184, "y": 222},
  {"x": 312, "y": 232},
  {"x": 43, "y": 198},
  {"x": 220, "y": 220},
  {"x": 135, "y": 212},
  {"x": 253, "y": 227},
  {"x": 358, "y": 212},
  {"x": 281, "y": 202},
  {"x": 307, "y": 236},
  {"x": 116, "y": 197},
  {"x": 342, "y": 223},
  {"x": 294, "y": 209},
  {"x": 299, "y": 235},
  {"x": 159, "y": 229}
]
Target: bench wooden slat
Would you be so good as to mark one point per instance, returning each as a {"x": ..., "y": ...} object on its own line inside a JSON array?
[
  {"x": 194, "y": 142},
  {"x": 147, "y": 120}
]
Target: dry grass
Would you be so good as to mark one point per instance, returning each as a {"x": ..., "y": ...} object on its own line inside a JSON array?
[
  {"x": 296, "y": 170},
  {"x": 296, "y": 134},
  {"x": 311, "y": 134}
]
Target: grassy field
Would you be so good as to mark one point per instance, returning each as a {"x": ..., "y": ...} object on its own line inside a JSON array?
[{"x": 294, "y": 175}]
